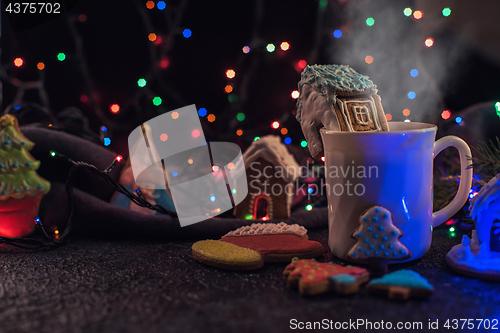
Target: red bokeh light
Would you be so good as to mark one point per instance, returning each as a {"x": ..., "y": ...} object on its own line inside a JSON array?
[
  {"x": 195, "y": 133},
  {"x": 115, "y": 108},
  {"x": 446, "y": 114},
  {"x": 418, "y": 14},
  {"x": 164, "y": 63},
  {"x": 18, "y": 62}
]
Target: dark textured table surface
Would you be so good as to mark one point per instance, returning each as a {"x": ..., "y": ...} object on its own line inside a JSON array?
[{"x": 130, "y": 285}]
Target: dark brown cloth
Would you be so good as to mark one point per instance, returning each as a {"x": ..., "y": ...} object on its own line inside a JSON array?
[{"x": 94, "y": 213}]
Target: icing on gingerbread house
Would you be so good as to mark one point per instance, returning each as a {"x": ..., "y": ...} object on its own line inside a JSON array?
[
  {"x": 479, "y": 256},
  {"x": 338, "y": 98},
  {"x": 271, "y": 171},
  {"x": 485, "y": 210}
]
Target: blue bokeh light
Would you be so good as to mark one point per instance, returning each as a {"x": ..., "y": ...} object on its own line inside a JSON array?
[
  {"x": 187, "y": 33},
  {"x": 414, "y": 72},
  {"x": 337, "y": 33},
  {"x": 458, "y": 120},
  {"x": 412, "y": 95},
  {"x": 202, "y": 112},
  {"x": 175, "y": 173},
  {"x": 288, "y": 140},
  {"x": 161, "y": 5},
  {"x": 107, "y": 141}
]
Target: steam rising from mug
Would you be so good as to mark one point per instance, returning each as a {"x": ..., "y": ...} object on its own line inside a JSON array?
[{"x": 396, "y": 43}]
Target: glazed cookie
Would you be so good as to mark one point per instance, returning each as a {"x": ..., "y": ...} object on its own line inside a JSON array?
[
  {"x": 276, "y": 242},
  {"x": 226, "y": 255},
  {"x": 336, "y": 97},
  {"x": 377, "y": 240},
  {"x": 313, "y": 278},
  {"x": 401, "y": 285}
]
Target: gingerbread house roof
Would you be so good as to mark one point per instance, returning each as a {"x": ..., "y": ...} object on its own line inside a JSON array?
[
  {"x": 482, "y": 201},
  {"x": 272, "y": 150},
  {"x": 332, "y": 79}
]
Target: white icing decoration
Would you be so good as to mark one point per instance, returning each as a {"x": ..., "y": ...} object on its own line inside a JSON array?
[
  {"x": 359, "y": 113},
  {"x": 272, "y": 150},
  {"x": 468, "y": 254},
  {"x": 345, "y": 115},
  {"x": 373, "y": 112},
  {"x": 268, "y": 229},
  {"x": 270, "y": 212}
]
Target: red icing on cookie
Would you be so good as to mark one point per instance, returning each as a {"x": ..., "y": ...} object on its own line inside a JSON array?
[
  {"x": 312, "y": 271},
  {"x": 275, "y": 244}
]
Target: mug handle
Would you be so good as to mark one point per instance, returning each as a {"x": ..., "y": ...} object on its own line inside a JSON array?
[{"x": 465, "y": 180}]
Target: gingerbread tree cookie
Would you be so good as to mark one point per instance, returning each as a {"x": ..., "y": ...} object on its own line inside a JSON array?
[
  {"x": 377, "y": 240},
  {"x": 401, "y": 285},
  {"x": 313, "y": 278}
]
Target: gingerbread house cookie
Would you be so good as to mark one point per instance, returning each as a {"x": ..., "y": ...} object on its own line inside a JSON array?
[
  {"x": 271, "y": 171},
  {"x": 338, "y": 98},
  {"x": 479, "y": 256}
]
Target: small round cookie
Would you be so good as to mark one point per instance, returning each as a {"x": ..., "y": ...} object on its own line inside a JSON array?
[{"x": 226, "y": 255}]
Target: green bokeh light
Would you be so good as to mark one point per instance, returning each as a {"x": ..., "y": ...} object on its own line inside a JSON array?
[
  {"x": 141, "y": 83},
  {"x": 61, "y": 56},
  {"x": 157, "y": 101},
  {"x": 240, "y": 116},
  {"x": 370, "y": 21},
  {"x": 446, "y": 11}
]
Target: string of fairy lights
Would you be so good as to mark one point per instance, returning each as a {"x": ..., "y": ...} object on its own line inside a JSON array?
[{"x": 45, "y": 239}]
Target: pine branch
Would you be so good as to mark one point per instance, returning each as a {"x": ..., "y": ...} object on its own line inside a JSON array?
[
  {"x": 487, "y": 161},
  {"x": 486, "y": 165}
]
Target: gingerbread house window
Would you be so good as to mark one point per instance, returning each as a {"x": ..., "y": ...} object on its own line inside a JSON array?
[{"x": 361, "y": 115}]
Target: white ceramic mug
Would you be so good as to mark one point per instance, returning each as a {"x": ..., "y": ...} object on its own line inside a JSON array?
[{"x": 391, "y": 169}]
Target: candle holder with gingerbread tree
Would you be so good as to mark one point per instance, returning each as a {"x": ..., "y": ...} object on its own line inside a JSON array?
[
  {"x": 21, "y": 188},
  {"x": 377, "y": 241}
]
